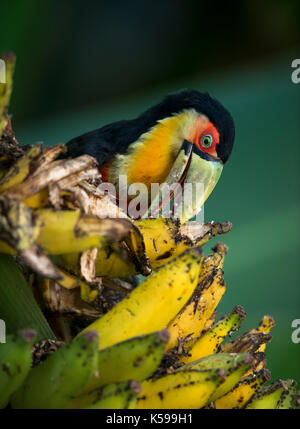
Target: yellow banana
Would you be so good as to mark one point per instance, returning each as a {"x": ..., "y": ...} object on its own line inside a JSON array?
[
  {"x": 79, "y": 232},
  {"x": 70, "y": 281},
  {"x": 153, "y": 303},
  {"x": 166, "y": 238},
  {"x": 68, "y": 231},
  {"x": 265, "y": 326},
  {"x": 229, "y": 366},
  {"x": 20, "y": 169},
  {"x": 208, "y": 343},
  {"x": 38, "y": 200},
  {"x": 111, "y": 262},
  {"x": 208, "y": 324},
  {"x": 164, "y": 234},
  {"x": 182, "y": 390},
  {"x": 243, "y": 391},
  {"x": 211, "y": 286}
]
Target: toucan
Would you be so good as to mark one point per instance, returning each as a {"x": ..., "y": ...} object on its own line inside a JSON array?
[{"x": 185, "y": 138}]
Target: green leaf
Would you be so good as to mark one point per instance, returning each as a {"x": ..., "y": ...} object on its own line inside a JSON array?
[{"x": 18, "y": 307}]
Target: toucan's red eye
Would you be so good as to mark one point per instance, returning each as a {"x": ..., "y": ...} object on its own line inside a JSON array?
[{"x": 208, "y": 139}]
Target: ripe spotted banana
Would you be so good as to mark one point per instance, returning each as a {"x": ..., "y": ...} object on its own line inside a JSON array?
[
  {"x": 163, "y": 239},
  {"x": 189, "y": 389},
  {"x": 194, "y": 385},
  {"x": 209, "y": 342},
  {"x": 166, "y": 238},
  {"x": 150, "y": 306},
  {"x": 191, "y": 320},
  {"x": 230, "y": 366},
  {"x": 240, "y": 395}
]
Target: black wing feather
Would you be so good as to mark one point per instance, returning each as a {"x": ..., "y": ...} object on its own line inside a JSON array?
[{"x": 102, "y": 144}]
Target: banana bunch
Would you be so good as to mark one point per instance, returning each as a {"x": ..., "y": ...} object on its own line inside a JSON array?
[
  {"x": 157, "y": 345},
  {"x": 126, "y": 358},
  {"x": 53, "y": 217}
]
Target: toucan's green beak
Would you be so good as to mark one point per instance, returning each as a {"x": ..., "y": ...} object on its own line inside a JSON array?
[{"x": 191, "y": 180}]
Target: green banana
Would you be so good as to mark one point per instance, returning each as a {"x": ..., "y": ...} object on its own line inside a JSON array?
[
  {"x": 133, "y": 359},
  {"x": 288, "y": 397},
  {"x": 272, "y": 396},
  {"x": 229, "y": 366},
  {"x": 296, "y": 400},
  {"x": 15, "y": 362},
  {"x": 112, "y": 396},
  {"x": 62, "y": 376}
]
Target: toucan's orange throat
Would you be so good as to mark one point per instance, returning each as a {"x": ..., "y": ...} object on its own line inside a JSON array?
[{"x": 150, "y": 159}]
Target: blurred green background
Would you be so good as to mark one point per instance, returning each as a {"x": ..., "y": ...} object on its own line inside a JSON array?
[{"x": 82, "y": 64}]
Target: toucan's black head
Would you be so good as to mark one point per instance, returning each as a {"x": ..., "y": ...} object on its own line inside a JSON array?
[
  {"x": 187, "y": 137},
  {"x": 118, "y": 137},
  {"x": 203, "y": 104}
]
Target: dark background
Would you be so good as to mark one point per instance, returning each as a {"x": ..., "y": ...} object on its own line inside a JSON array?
[{"x": 81, "y": 64}]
